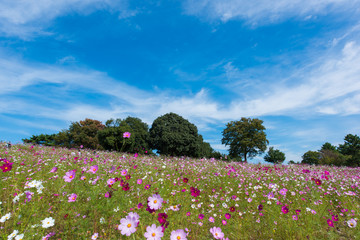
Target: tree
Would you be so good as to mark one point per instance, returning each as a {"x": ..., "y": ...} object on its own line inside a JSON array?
[
  {"x": 246, "y": 138},
  {"x": 351, "y": 147},
  {"x": 311, "y": 157},
  {"x": 85, "y": 133},
  {"x": 274, "y": 156},
  {"x": 43, "y": 139},
  {"x": 328, "y": 146},
  {"x": 333, "y": 157},
  {"x": 173, "y": 135},
  {"x": 111, "y": 137}
]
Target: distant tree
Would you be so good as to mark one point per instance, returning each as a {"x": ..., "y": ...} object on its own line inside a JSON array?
[
  {"x": 173, "y": 135},
  {"x": 111, "y": 137},
  {"x": 351, "y": 147},
  {"x": 274, "y": 156},
  {"x": 246, "y": 138},
  {"x": 64, "y": 139},
  {"x": 292, "y": 162},
  {"x": 328, "y": 146},
  {"x": 333, "y": 157},
  {"x": 85, "y": 133},
  {"x": 311, "y": 157},
  {"x": 42, "y": 139},
  {"x": 205, "y": 149}
]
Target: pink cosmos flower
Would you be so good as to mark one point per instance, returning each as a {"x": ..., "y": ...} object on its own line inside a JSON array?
[
  {"x": 94, "y": 236},
  {"x": 224, "y": 222},
  {"x": 284, "y": 209},
  {"x": 217, "y": 233},
  {"x": 155, "y": 201},
  {"x": 178, "y": 235},
  {"x": 69, "y": 176},
  {"x": 295, "y": 217},
  {"x": 111, "y": 181},
  {"x": 153, "y": 232},
  {"x": 139, "y": 181},
  {"x": 127, "y": 226},
  {"x": 227, "y": 215},
  {"x": 126, "y": 135},
  {"x": 124, "y": 172},
  {"x": 211, "y": 219},
  {"x": 283, "y": 191},
  {"x": 330, "y": 223},
  {"x": 352, "y": 223},
  {"x": 72, "y": 197},
  {"x": 134, "y": 216},
  {"x": 54, "y": 169},
  {"x": 93, "y": 169},
  {"x": 6, "y": 167}
]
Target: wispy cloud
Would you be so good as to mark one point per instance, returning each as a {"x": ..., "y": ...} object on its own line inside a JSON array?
[
  {"x": 263, "y": 12},
  {"x": 25, "y": 19}
]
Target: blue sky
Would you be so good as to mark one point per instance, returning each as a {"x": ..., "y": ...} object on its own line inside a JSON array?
[{"x": 295, "y": 64}]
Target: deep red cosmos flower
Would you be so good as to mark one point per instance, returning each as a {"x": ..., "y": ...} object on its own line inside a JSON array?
[{"x": 6, "y": 167}]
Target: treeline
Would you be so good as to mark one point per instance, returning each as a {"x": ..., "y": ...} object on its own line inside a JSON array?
[
  {"x": 169, "y": 134},
  {"x": 347, "y": 154}
]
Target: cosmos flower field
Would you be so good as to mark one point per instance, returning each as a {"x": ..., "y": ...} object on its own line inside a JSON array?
[{"x": 58, "y": 193}]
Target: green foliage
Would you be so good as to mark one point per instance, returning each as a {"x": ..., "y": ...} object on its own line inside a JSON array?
[
  {"x": 351, "y": 147},
  {"x": 274, "y": 156},
  {"x": 333, "y": 157},
  {"x": 111, "y": 137},
  {"x": 173, "y": 135},
  {"x": 328, "y": 146},
  {"x": 42, "y": 139},
  {"x": 311, "y": 157},
  {"x": 85, "y": 133},
  {"x": 246, "y": 138}
]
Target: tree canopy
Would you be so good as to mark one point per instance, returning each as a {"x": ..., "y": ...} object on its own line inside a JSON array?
[
  {"x": 246, "y": 138},
  {"x": 274, "y": 156},
  {"x": 173, "y": 135}
]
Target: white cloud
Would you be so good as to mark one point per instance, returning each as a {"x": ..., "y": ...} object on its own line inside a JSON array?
[
  {"x": 262, "y": 12},
  {"x": 23, "y": 18}
]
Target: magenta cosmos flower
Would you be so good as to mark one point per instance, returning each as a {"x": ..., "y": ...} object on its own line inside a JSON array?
[
  {"x": 72, "y": 197},
  {"x": 179, "y": 234},
  {"x": 69, "y": 176},
  {"x": 153, "y": 232},
  {"x": 6, "y": 167},
  {"x": 155, "y": 202},
  {"x": 126, "y": 135},
  {"x": 94, "y": 169},
  {"x": 217, "y": 233},
  {"x": 127, "y": 225},
  {"x": 139, "y": 181},
  {"x": 330, "y": 223},
  {"x": 284, "y": 209},
  {"x": 54, "y": 169}
]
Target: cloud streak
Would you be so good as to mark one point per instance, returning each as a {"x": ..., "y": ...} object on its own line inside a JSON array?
[
  {"x": 263, "y": 12},
  {"x": 25, "y": 19}
]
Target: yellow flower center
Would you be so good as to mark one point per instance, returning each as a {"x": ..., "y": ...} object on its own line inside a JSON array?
[
  {"x": 351, "y": 224},
  {"x": 129, "y": 225},
  {"x": 174, "y": 206},
  {"x": 153, "y": 234},
  {"x": 6, "y": 168},
  {"x": 155, "y": 201},
  {"x": 73, "y": 198},
  {"x": 216, "y": 234},
  {"x": 178, "y": 237},
  {"x": 71, "y": 176}
]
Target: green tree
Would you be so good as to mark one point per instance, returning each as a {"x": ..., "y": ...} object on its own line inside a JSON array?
[
  {"x": 85, "y": 133},
  {"x": 311, "y": 157},
  {"x": 43, "y": 139},
  {"x": 246, "y": 138},
  {"x": 111, "y": 137},
  {"x": 173, "y": 135},
  {"x": 351, "y": 147},
  {"x": 274, "y": 156},
  {"x": 333, "y": 157},
  {"x": 328, "y": 146}
]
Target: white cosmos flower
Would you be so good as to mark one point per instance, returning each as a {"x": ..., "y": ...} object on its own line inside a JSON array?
[
  {"x": 48, "y": 222},
  {"x": 19, "y": 237},
  {"x": 5, "y": 217},
  {"x": 13, "y": 234}
]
